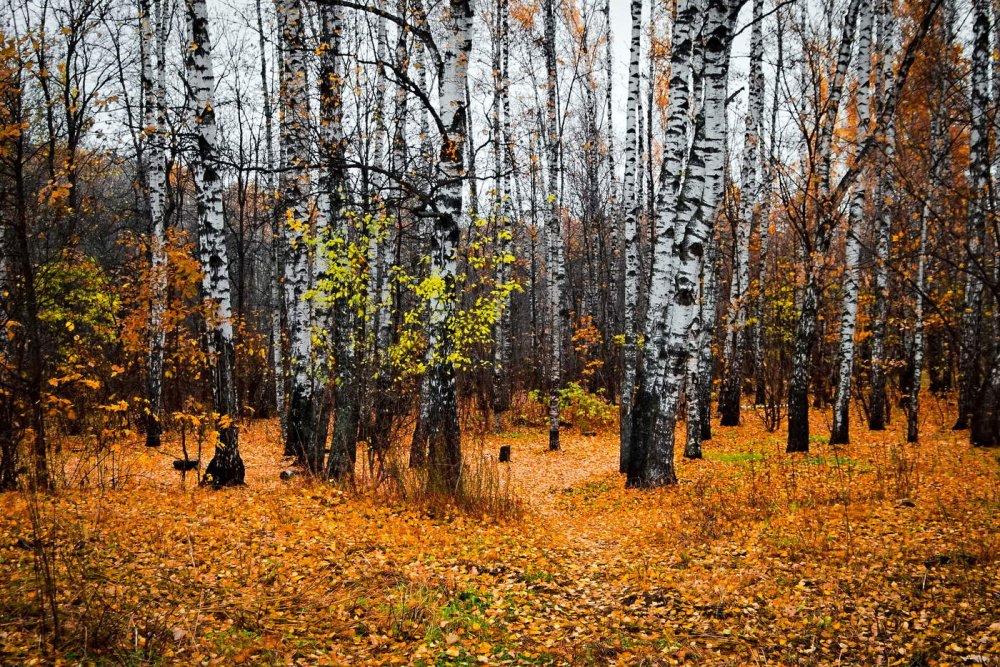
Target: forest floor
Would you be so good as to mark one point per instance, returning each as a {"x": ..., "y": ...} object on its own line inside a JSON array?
[{"x": 879, "y": 553}]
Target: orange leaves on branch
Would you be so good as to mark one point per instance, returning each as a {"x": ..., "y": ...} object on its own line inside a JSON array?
[{"x": 525, "y": 12}]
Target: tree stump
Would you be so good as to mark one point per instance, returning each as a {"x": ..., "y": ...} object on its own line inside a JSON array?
[{"x": 504, "y": 454}]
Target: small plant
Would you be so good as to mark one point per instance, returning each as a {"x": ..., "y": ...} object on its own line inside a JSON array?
[
  {"x": 584, "y": 408},
  {"x": 194, "y": 422},
  {"x": 486, "y": 489}
]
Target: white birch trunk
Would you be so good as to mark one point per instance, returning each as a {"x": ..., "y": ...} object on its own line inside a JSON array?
[
  {"x": 630, "y": 242},
  {"x": 441, "y": 425},
  {"x": 883, "y": 232},
  {"x": 913, "y": 404},
  {"x": 679, "y": 252},
  {"x": 971, "y": 321},
  {"x": 226, "y": 467},
  {"x": 650, "y": 458},
  {"x": 503, "y": 211},
  {"x": 840, "y": 433},
  {"x": 699, "y": 364},
  {"x": 337, "y": 319},
  {"x": 276, "y": 302},
  {"x": 293, "y": 186},
  {"x": 736, "y": 347},
  {"x": 940, "y": 172},
  {"x": 556, "y": 268},
  {"x": 380, "y": 294},
  {"x": 805, "y": 334},
  {"x": 154, "y": 158},
  {"x": 764, "y": 227}
]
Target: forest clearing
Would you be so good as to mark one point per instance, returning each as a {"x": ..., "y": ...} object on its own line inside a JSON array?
[{"x": 876, "y": 553}]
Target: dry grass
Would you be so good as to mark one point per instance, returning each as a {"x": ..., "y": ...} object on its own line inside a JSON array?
[{"x": 876, "y": 553}]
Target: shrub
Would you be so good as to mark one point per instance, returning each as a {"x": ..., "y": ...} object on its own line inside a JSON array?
[{"x": 584, "y": 408}]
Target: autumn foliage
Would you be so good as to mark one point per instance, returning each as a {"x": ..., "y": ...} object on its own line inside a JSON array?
[{"x": 876, "y": 553}]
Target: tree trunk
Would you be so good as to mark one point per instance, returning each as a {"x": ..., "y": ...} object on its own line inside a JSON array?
[
  {"x": 441, "y": 425},
  {"x": 681, "y": 245},
  {"x": 343, "y": 448},
  {"x": 840, "y": 434},
  {"x": 153, "y": 158},
  {"x": 294, "y": 187},
  {"x": 276, "y": 303},
  {"x": 883, "y": 233},
  {"x": 556, "y": 269},
  {"x": 380, "y": 286},
  {"x": 503, "y": 210},
  {"x": 805, "y": 332},
  {"x": 27, "y": 298},
  {"x": 699, "y": 380},
  {"x": 651, "y": 445},
  {"x": 737, "y": 346},
  {"x": 979, "y": 179},
  {"x": 630, "y": 242},
  {"x": 764, "y": 235},
  {"x": 917, "y": 362},
  {"x": 226, "y": 466}
]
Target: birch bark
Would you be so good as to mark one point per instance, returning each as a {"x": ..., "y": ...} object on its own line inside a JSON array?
[
  {"x": 699, "y": 365},
  {"x": 805, "y": 333},
  {"x": 343, "y": 447},
  {"x": 878, "y": 413},
  {"x": 630, "y": 241},
  {"x": 154, "y": 109},
  {"x": 294, "y": 186},
  {"x": 840, "y": 433},
  {"x": 681, "y": 247},
  {"x": 553, "y": 227},
  {"x": 736, "y": 345},
  {"x": 277, "y": 304},
  {"x": 441, "y": 425},
  {"x": 503, "y": 211},
  {"x": 913, "y": 404},
  {"x": 979, "y": 164},
  {"x": 226, "y": 467}
]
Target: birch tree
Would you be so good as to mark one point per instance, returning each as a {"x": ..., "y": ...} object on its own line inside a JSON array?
[
  {"x": 699, "y": 365},
  {"x": 630, "y": 241},
  {"x": 276, "y": 301},
  {"x": 553, "y": 227},
  {"x": 917, "y": 360},
  {"x": 883, "y": 231},
  {"x": 442, "y": 428},
  {"x": 979, "y": 181},
  {"x": 828, "y": 197},
  {"x": 736, "y": 344},
  {"x": 681, "y": 244},
  {"x": 805, "y": 333},
  {"x": 646, "y": 468},
  {"x": 768, "y": 169},
  {"x": 503, "y": 210},
  {"x": 153, "y": 78},
  {"x": 940, "y": 170},
  {"x": 840, "y": 433},
  {"x": 294, "y": 188},
  {"x": 984, "y": 423},
  {"x": 379, "y": 255},
  {"x": 226, "y": 466},
  {"x": 345, "y": 427}
]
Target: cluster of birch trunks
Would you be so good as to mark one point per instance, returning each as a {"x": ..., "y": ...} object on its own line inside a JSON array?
[{"x": 800, "y": 204}]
